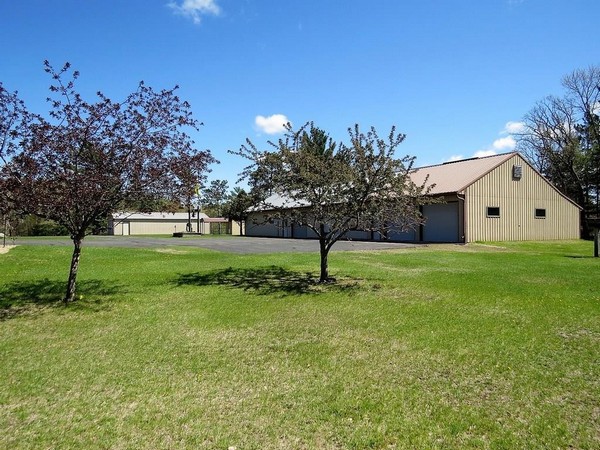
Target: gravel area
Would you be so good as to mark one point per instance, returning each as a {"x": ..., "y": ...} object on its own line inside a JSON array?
[{"x": 230, "y": 244}]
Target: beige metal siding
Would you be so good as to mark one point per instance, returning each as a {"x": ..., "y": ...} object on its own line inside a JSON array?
[
  {"x": 237, "y": 229},
  {"x": 117, "y": 229},
  {"x": 159, "y": 227},
  {"x": 122, "y": 228},
  {"x": 517, "y": 200},
  {"x": 137, "y": 227}
]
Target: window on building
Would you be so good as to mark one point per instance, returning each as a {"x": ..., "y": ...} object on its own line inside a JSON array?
[
  {"x": 540, "y": 213},
  {"x": 493, "y": 211}
]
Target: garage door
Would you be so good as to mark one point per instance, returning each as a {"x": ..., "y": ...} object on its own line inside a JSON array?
[{"x": 442, "y": 223}]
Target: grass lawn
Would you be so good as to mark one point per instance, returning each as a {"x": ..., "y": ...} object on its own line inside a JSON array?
[{"x": 494, "y": 346}]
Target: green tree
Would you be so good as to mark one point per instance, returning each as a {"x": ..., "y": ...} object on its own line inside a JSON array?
[
  {"x": 214, "y": 196},
  {"x": 237, "y": 206},
  {"x": 310, "y": 180}
]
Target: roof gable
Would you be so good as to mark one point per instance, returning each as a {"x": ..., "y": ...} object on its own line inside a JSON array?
[{"x": 455, "y": 176}]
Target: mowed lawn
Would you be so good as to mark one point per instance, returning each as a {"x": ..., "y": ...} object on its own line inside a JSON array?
[{"x": 436, "y": 347}]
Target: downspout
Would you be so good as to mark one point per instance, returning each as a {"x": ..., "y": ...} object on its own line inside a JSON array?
[
  {"x": 461, "y": 197},
  {"x": 419, "y": 237}
]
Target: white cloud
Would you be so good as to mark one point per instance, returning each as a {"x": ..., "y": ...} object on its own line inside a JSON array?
[
  {"x": 507, "y": 143},
  {"x": 504, "y": 144},
  {"x": 484, "y": 153},
  {"x": 194, "y": 9},
  {"x": 513, "y": 128},
  {"x": 274, "y": 124}
]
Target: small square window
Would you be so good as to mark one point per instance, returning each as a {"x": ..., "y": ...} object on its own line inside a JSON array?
[
  {"x": 493, "y": 211},
  {"x": 540, "y": 213}
]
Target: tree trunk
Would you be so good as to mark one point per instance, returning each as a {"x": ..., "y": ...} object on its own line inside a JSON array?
[
  {"x": 585, "y": 226},
  {"x": 70, "y": 294},
  {"x": 324, "y": 265}
]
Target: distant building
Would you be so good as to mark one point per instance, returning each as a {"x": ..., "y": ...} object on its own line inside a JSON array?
[
  {"x": 126, "y": 223},
  {"x": 155, "y": 223},
  {"x": 495, "y": 198}
]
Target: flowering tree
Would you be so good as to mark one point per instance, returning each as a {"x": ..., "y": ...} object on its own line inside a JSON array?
[
  {"x": 87, "y": 160},
  {"x": 14, "y": 122},
  {"x": 331, "y": 188}
]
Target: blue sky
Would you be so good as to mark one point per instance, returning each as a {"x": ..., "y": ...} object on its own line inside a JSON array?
[{"x": 455, "y": 76}]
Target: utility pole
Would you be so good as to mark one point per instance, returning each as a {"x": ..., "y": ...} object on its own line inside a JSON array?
[{"x": 198, "y": 217}]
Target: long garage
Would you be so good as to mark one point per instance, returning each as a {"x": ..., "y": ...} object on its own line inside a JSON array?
[{"x": 494, "y": 198}]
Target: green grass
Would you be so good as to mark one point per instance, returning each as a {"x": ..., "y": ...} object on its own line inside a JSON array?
[{"x": 481, "y": 346}]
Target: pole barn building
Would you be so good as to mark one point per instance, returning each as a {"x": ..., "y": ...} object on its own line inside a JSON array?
[
  {"x": 495, "y": 198},
  {"x": 125, "y": 224}
]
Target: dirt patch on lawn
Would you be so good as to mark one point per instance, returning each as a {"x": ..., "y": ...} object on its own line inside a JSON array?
[
  {"x": 6, "y": 248},
  {"x": 171, "y": 251},
  {"x": 471, "y": 247}
]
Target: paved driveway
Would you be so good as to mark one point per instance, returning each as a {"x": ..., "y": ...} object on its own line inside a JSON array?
[{"x": 231, "y": 244}]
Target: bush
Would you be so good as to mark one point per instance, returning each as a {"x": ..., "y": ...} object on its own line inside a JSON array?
[{"x": 48, "y": 228}]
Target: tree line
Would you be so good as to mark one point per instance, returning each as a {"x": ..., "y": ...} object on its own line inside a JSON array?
[{"x": 561, "y": 137}]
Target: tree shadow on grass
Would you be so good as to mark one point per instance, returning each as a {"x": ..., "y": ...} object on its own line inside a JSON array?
[
  {"x": 271, "y": 280},
  {"x": 27, "y": 297}
]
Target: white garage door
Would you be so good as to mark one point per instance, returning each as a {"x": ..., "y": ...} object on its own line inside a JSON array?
[{"x": 442, "y": 223}]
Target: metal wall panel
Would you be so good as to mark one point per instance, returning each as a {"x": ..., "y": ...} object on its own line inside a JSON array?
[
  {"x": 399, "y": 236},
  {"x": 358, "y": 235},
  {"x": 159, "y": 227},
  {"x": 442, "y": 222},
  {"x": 257, "y": 225},
  {"x": 138, "y": 227},
  {"x": 518, "y": 200}
]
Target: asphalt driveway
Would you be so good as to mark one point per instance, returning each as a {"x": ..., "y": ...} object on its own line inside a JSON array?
[{"x": 230, "y": 244}]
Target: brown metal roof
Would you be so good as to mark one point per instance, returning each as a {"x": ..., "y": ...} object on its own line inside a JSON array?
[
  {"x": 455, "y": 176},
  {"x": 155, "y": 216},
  {"x": 214, "y": 220}
]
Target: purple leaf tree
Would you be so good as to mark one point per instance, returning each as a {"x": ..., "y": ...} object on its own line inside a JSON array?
[{"x": 87, "y": 160}]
